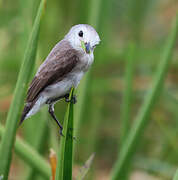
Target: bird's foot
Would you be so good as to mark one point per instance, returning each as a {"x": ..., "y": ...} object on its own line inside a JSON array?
[
  {"x": 72, "y": 100},
  {"x": 69, "y": 136},
  {"x": 49, "y": 101},
  {"x": 53, "y": 100},
  {"x": 60, "y": 132}
]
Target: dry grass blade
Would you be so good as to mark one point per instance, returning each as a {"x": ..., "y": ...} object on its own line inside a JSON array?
[
  {"x": 85, "y": 168},
  {"x": 53, "y": 162}
]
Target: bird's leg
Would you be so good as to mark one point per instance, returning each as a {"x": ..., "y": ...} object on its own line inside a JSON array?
[
  {"x": 51, "y": 112},
  {"x": 51, "y": 101},
  {"x": 73, "y": 99}
]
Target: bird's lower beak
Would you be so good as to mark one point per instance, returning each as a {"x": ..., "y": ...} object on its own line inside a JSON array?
[{"x": 86, "y": 47}]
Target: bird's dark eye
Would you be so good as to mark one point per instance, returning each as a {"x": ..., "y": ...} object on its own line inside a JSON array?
[{"x": 80, "y": 33}]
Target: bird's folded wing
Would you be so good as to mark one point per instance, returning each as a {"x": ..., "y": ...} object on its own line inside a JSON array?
[{"x": 53, "y": 71}]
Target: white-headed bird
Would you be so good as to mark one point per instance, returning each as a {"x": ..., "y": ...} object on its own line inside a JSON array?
[{"x": 63, "y": 69}]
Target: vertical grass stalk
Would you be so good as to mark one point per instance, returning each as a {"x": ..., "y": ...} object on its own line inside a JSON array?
[
  {"x": 93, "y": 18},
  {"x": 17, "y": 102},
  {"x": 39, "y": 139},
  {"x": 120, "y": 170},
  {"x": 127, "y": 96},
  {"x": 65, "y": 154}
]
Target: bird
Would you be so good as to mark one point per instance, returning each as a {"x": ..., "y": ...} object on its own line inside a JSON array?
[{"x": 62, "y": 69}]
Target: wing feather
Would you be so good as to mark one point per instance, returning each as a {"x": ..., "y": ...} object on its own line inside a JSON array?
[{"x": 57, "y": 66}]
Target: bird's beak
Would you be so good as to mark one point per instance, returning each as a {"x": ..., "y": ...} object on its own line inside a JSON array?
[{"x": 86, "y": 47}]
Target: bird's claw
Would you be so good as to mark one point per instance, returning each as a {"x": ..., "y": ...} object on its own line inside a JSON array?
[
  {"x": 60, "y": 132},
  {"x": 72, "y": 100}
]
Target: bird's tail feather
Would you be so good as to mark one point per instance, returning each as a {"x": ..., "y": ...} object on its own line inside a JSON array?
[{"x": 26, "y": 110}]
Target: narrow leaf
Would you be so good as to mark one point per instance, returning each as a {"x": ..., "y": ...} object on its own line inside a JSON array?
[
  {"x": 17, "y": 102},
  {"x": 93, "y": 19},
  {"x": 127, "y": 94},
  {"x": 120, "y": 170},
  {"x": 65, "y": 155},
  {"x": 39, "y": 139}
]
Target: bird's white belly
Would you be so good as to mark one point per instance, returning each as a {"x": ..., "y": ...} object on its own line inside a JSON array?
[
  {"x": 56, "y": 90},
  {"x": 59, "y": 89},
  {"x": 63, "y": 87}
]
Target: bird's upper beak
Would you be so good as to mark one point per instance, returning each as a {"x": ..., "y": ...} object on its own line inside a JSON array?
[{"x": 86, "y": 47}]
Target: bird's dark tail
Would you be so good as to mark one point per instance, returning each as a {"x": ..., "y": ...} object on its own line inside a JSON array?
[{"x": 26, "y": 109}]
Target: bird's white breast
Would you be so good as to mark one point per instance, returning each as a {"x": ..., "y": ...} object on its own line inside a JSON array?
[
  {"x": 85, "y": 62},
  {"x": 63, "y": 87}
]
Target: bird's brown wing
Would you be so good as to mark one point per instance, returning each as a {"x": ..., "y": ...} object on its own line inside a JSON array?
[{"x": 54, "y": 70}]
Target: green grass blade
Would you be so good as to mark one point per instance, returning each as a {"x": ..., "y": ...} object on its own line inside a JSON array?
[
  {"x": 17, "y": 102},
  {"x": 79, "y": 106},
  {"x": 176, "y": 176},
  {"x": 93, "y": 19},
  {"x": 39, "y": 140},
  {"x": 127, "y": 96},
  {"x": 30, "y": 156},
  {"x": 120, "y": 170},
  {"x": 94, "y": 125},
  {"x": 65, "y": 155}
]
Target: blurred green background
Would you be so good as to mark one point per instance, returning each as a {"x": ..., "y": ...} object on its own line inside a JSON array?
[{"x": 129, "y": 29}]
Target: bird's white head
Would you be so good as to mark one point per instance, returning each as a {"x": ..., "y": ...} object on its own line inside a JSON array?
[{"x": 83, "y": 38}]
